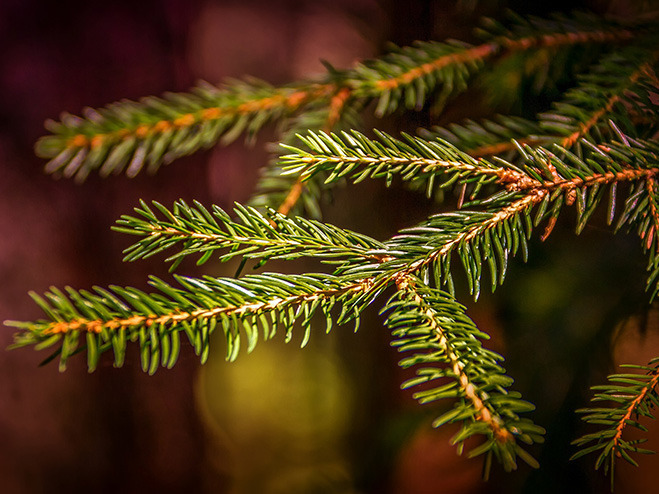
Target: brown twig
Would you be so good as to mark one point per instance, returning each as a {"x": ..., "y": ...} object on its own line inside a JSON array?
[{"x": 631, "y": 409}]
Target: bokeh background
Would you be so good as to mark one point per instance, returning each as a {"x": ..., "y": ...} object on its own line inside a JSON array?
[{"x": 329, "y": 418}]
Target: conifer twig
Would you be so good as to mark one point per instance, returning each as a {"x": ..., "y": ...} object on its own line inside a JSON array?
[
  {"x": 406, "y": 284},
  {"x": 444, "y": 345},
  {"x": 631, "y": 396}
]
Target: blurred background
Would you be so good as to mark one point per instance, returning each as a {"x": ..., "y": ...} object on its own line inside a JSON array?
[{"x": 329, "y": 418}]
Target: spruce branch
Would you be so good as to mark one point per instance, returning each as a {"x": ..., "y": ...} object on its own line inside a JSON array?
[
  {"x": 353, "y": 155},
  {"x": 444, "y": 344},
  {"x": 254, "y": 235},
  {"x": 562, "y": 46},
  {"x": 410, "y": 74},
  {"x": 436, "y": 163},
  {"x": 129, "y": 135},
  {"x": 629, "y": 397},
  {"x": 108, "y": 319}
]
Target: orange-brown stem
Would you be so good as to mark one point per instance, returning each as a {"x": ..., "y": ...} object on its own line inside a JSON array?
[
  {"x": 337, "y": 103},
  {"x": 631, "y": 409},
  {"x": 652, "y": 231},
  {"x": 292, "y": 197},
  {"x": 516, "y": 181}
]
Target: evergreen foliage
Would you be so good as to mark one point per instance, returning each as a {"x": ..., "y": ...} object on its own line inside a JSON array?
[{"x": 596, "y": 144}]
